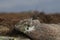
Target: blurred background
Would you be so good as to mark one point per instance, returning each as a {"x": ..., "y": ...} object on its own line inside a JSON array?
[{"x": 29, "y": 5}]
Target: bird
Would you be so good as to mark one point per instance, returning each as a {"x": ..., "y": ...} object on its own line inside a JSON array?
[{"x": 38, "y": 31}]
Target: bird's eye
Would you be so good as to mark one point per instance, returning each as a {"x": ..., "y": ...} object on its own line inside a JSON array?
[{"x": 27, "y": 28}]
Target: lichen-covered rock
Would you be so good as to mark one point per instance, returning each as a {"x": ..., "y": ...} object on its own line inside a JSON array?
[{"x": 39, "y": 31}]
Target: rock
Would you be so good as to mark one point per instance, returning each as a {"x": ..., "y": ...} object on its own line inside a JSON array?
[
  {"x": 4, "y": 29},
  {"x": 39, "y": 31},
  {"x": 12, "y": 38}
]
